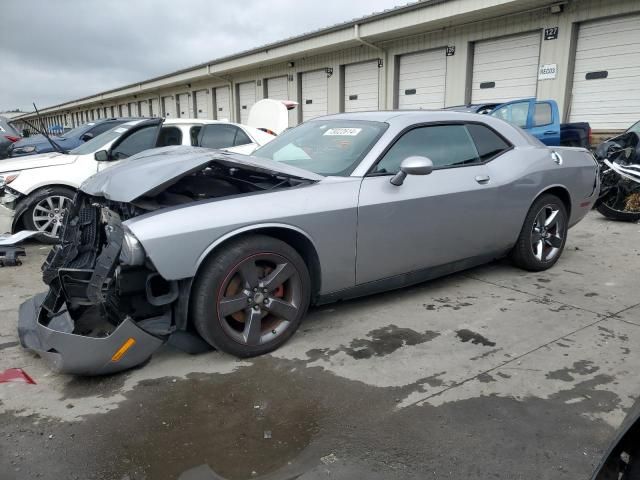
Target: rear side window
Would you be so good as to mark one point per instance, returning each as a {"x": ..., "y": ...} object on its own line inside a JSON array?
[
  {"x": 542, "y": 114},
  {"x": 169, "y": 136},
  {"x": 444, "y": 145},
  {"x": 514, "y": 113},
  {"x": 193, "y": 133},
  {"x": 222, "y": 136},
  {"x": 488, "y": 143}
]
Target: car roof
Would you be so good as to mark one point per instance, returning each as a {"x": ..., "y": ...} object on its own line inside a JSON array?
[{"x": 403, "y": 116}]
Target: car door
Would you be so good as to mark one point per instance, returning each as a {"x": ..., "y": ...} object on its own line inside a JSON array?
[
  {"x": 428, "y": 221},
  {"x": 138, "y": 138},
  {"x": 542, "y": 124}
]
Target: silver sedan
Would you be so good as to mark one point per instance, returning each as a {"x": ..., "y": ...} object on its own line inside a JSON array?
[{"x": 236, "y": 248}]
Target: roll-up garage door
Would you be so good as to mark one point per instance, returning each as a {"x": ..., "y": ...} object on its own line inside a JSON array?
[
  {"x": 422, "y": 79},
  {"x": 144, "y": 108},
  {"x": 202, "y": 104},
  {"x": 223, "y": 103},
  {"x": 154, "y": 107},
  {"x": 133, "y": 109},
  {"x": 184, "y": 105},
  {"x": 361, "y": 87},
  {"x": 314, "y": 94},
  {"x": 277, "y": 88},
  {"x": 606, "y": 91},
  {"x": 124, "y": 110},
  {"x": 168, "y": 107},
  {"x": 505, "y": 69},
  {"x": 246, "y": 99}
]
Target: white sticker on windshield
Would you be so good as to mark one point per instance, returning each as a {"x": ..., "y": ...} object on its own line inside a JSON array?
[
  {"x": 120, "y": 130},
  {"x": 346, "y": 132}
]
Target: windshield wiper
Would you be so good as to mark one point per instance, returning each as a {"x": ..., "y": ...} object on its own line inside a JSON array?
[{"x": 54, "y": 145}]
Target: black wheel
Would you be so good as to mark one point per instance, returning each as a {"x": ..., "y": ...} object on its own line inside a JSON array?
[
  {"x": 249, "y": 298},
  {"x": 543, "y": 235},
  {"x": 47, "y": 210}
]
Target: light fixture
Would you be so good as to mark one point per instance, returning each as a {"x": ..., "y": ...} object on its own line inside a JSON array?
[{"x": 291, "y": 64}]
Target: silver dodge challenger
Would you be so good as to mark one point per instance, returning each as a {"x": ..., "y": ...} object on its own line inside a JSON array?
[{"x": 203, "y": 247}]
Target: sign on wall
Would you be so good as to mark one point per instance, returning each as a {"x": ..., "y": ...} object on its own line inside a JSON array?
[
  {"x": 551, "y": 33},
  {"x": 548, "y": 71}
]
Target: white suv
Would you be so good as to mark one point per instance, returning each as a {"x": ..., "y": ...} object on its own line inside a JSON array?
[{"x": 40, "y": 188}]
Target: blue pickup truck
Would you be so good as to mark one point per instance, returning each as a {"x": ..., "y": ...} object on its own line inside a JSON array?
[{"x": 541, "y": 119}]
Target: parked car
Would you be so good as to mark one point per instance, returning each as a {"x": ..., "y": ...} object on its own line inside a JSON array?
[
  {"x": 8, "y": 136},
  {"x": 36, "y": 144},
  {"x": 541, "y": 119},
  {"x": 237, "y": 247},
  {"x": 39, "y": 189},
  {"x": 621, "y": 461},
  {"x": 480, "y": 108}
]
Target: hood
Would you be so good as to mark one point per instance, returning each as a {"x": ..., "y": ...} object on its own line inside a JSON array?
[
  {"x": 37, "y": 140},
  {"x": 35, "y": 161},
  {"x": 155, "y": 169}
]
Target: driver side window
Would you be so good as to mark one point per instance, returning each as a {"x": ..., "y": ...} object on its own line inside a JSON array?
[
  {"x": 445, "y": 145},
  {"x": 138, "y": 141}
]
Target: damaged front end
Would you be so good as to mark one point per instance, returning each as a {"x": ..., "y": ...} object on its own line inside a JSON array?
[{"x": 106, "y": 309}]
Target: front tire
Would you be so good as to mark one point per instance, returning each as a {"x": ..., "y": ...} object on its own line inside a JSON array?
[
  {"x": 47, "y": 210},
  {"x": 543, "y": 235},
  {"x": 250, "y": 297}
]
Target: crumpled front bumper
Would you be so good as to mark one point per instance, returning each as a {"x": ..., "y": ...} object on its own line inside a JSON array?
[{"x": 127, "y": 346}]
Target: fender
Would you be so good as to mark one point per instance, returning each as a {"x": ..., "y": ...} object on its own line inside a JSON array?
[{"x": 246, "y": 229}]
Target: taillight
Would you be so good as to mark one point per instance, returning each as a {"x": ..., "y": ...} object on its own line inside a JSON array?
[{"x": 12, "y": 138}]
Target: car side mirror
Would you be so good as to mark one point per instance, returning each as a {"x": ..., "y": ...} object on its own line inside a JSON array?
[
  {"x": 101, "y": 156},
  {"x": 415, "y": 165},
  {"x": 87, "y": 136}
]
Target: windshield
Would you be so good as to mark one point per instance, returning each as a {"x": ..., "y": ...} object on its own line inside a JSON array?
[
  {"x": 634, "y": 128},
  {"x": 331, "y": 147},
  {"x": 97, "y": 143},
  {"x": 76, "y": 131}
]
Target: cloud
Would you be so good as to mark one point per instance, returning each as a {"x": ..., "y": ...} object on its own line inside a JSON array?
[{"x": 53, "y": 52}]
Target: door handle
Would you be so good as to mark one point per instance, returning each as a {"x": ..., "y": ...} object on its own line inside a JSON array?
[
  {"x": 483, "y": 179},
  {"x": 549, "y": 132}
]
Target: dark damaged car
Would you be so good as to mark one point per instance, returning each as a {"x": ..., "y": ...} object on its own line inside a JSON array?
[{"x": 184, "y": 242}]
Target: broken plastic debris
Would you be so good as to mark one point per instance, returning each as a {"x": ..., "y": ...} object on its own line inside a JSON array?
[
  {"x": 267, "y": 434},
  {"x": 16, "y": 375}
]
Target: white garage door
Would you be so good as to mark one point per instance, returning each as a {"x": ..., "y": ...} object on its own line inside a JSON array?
[
  {"x": 606, "y": 92},
  {"x": 184, "y": 105},
  {"x": 361, "y": 87},
  {"x": 277, "y": 88},
  {"x": 133, "y": 109},
  {"x": 154, "y": 107},
  {"x": 505, "y": 69},
  {"x": 246, "y": 98},
  {"x": 168, "y": 107},
  {"x": 422, "y": 78},
  {"x": 223, "y": 103},
  {"x": 314, "y": 94},
  {"x": 144, "y": 108},
  {"x": 202, "y": 104},
  {"x": 124, "y": 110}
]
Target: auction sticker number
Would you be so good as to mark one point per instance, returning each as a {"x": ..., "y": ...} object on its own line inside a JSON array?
[{"x": 344, "y": 132}]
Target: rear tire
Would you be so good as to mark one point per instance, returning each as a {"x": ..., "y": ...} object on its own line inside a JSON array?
[
  {"x": 250, "y": 297},
  {"x": 613, "y": 214},
  {"x": 543, "y": 235}
]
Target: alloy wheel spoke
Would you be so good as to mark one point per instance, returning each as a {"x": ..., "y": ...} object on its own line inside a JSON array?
[
  {"x": 551, "y": 219},
  {"x": 45, "y": 227},
  {"x": 50, "y": 203},
  {"x": 230, "y": 305},
  {"x": 282, "y": 309},
  {"x": 249, "y": 273},
  {"x": 555, "y": 241},
  {"x": 42, "y": 208},
  {"x": 541, "y": 218},
  {"x": 282, "y": 273},
  {"x": 538, "y": 249},
  {"x": 253, "y": 326}
]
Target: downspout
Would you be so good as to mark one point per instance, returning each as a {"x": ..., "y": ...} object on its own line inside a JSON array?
[
  {"x": 385, "y": 58},
  {"x": 232, "y": 93}
]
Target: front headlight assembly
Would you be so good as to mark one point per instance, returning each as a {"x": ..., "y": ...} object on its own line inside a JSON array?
[
  {"x": 132, "y": 252},
  {"x": 21, "y": 150},
  {"x": 8, "y": 177}
]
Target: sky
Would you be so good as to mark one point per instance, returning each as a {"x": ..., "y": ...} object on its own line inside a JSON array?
[{"x": 55, "y": 51}]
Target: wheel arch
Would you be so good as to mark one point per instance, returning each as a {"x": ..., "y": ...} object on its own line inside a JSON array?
[
  {"x": 23, "y": 205},
  {"x": 297, "y": 238},
  {"x": 559, "y": 191}
]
